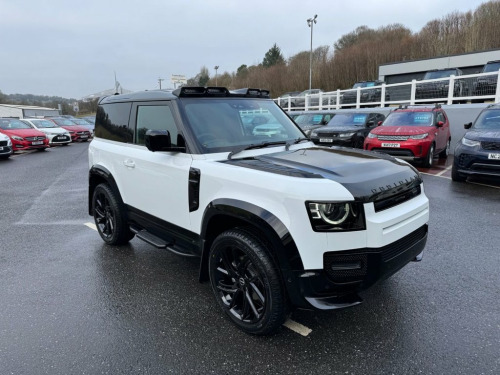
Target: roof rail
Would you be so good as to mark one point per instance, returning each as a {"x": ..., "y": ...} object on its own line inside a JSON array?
[{"x": 410, "y": 106}]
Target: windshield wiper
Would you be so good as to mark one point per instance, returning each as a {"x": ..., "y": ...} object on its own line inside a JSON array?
[
  {"x": 254, "y": 146},
  {"x": 298, "y": 140}
]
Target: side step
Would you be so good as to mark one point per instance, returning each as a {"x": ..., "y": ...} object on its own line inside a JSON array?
[{"x": 157, "y": 242}]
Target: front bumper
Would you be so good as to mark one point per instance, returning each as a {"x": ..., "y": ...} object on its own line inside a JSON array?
[
  {"x": 476, "y": 162},
  {"x": 28, "y": 145},
  {"x": 410, "y": 150},
  {"x": 346, "y": 273}
]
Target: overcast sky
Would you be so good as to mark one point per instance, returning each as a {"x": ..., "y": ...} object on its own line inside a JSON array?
[{"x": 72, "y": 48}]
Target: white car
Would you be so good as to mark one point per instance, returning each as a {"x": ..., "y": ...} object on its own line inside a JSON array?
[
  {"x": 5, "y": 146},
  {"x": 55, "y": 134},
  {"x": 275, "y": 221}
]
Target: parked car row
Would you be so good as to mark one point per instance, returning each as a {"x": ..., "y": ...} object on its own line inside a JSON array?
[
  {"x": 417, "y": 134},
  {"x": 40, "y": 133}
]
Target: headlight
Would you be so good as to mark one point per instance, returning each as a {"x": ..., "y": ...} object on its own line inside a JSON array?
[
  {"x": 9, "y": 143},
  {"x": 370, "y": 135},
  {"x": 419, "y": 136},
  {"x": 307, "y": 132},
  {"x": 17, "y": 138},
  {"x": 336, "y": 216},
  {"x": 470, "y": 143},
  {"x": 346, "y": 135},
  {"x": 314, "y": 133}
]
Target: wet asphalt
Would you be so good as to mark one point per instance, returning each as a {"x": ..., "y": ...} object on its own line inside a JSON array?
[{"x": 71, "y": 305}]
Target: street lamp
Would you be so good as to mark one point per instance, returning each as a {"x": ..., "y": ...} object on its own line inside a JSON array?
[
  {"x": 216, "y": 67},
  {"x": 310, "y": 23}
]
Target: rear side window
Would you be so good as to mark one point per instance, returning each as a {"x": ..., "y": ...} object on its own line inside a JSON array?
[
  {"x": 112, "y": 122},
  {"x": 155, "y": 117}
]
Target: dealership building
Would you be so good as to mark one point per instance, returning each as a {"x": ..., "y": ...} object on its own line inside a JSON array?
[{"x": 406, "y": 71}]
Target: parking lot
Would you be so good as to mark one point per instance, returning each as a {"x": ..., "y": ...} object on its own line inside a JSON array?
[{"x": 72, "y": 305}]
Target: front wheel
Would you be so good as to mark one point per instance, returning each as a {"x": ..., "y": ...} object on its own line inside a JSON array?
[
  {"x": 109, "y": 216},
  {"x": 246, "y": 283},
  {"x": 430, "y": 156}
]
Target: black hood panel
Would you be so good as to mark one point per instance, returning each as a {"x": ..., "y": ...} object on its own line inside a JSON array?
[{"x": 367, "y": 176}]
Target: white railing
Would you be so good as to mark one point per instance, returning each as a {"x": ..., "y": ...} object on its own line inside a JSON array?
[{"x": 454, "y": 89}]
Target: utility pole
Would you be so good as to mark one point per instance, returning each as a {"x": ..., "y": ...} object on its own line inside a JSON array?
[
  {"x": 159, "y": 81},
  {"x": 310, "y": 23},
  {"x": 216, "y": 67}
]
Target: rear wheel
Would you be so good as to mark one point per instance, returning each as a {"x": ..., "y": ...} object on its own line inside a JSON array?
[
  {"x": 109, "y": 216},
  {"x": 246, "y": 283},
  {"x": 444, "y": 154},
  {"x": 428, "y": 159}
]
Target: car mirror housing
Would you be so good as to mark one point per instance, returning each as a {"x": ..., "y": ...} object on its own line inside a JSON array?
[
  {"x": 379, "y": 123},
  {"x": 468, "y": 126},
  {"x": 440, "y": 124},
  {"x": 159, "y": 140}
]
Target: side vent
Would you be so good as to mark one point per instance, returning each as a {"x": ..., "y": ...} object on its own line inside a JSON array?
[{"x": 194, "y": 189}]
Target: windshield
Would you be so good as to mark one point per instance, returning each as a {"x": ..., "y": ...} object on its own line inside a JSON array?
[
  {"x": 312, "y": 119},
  {"x": 63, "y": 122},
  {"x": 363, "y": 84},
  {"x": 44, "y": 124},
  {"x": 342, "y": 119},
  {"x": 440, "y": 74},
  {"x": 489, "y": 119},
  {"x": 493, "y": 67},
  {"x": 81, "y": 122},
  {"x": 409, "y": 119},
  {"x": 222, "y": 124},
  {"x": 7, "y": 124}
]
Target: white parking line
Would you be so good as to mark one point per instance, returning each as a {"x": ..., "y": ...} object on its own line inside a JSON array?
[
  {"x": 492, "y": 186},
  {"x": 436, "y": 175},
  {"x": 297, "y": 327},
  {"x": 91, "y": 226},
  {"x": 444, "y": 171}
]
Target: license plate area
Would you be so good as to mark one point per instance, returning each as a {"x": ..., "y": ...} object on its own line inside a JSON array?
[
  {"x": 391, "y": 145},
  {"x": 494, "y": 156},
  {"x": 37, "y": 143},
  {"x": 325, "y": 140}
]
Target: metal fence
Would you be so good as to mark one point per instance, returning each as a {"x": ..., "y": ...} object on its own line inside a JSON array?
[{"x": 454, "y": 89}]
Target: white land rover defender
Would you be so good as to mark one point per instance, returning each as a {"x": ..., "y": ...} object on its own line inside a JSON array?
[{"x": 276, "y": 221}]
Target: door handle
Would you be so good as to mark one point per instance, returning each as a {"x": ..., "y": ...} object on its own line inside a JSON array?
[{"x": 129, "y": 163}]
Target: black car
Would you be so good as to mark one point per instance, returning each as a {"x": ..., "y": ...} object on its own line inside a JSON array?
[
  {"x": 347, "y": 129},
  {"x": 440, "y": 89},
  {"x": 487, "y": 85},
  {"x": 310, "y": 120},
  {"x": 478, "y": 152},
  {"x": 367, "y": 95}
]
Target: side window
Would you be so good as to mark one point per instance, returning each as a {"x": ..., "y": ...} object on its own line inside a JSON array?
[
  {"x": 155, "y": 117},
  {"x": 112, "y": 122}
]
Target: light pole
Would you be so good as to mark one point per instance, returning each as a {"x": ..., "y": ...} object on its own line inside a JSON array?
[
  {"x": 216, "y": 67},
  {"x": 310, "y": 23}
]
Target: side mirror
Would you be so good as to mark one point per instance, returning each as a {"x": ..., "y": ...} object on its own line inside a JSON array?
[
  {"x": 379, "y": 123},
  {"x": 440, "y": 124},
  {"x": 159, "y": 140},
  {"x": 468, "y": 126}
]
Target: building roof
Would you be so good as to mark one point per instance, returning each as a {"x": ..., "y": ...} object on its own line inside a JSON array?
[{"x": 27, "y": 107}]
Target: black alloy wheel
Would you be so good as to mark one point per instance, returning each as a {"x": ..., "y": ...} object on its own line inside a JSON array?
[
  {"x": 109, "y": 216},
  {"x": 246, "y": 283}
]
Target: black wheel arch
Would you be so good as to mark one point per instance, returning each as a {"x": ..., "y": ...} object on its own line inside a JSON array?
[
  {"x": 97, "y": 175},
  {"x": 224, "y": 214}
]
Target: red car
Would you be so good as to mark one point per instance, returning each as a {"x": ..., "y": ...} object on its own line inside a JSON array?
[
  {"x": 23, "y": 136},
  {"x": 77, "y": 132},
  {"x": 413, "y": 133}
]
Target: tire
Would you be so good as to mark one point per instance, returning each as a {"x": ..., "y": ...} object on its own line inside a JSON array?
[
  {"x": 444, "y": 154},
  {"x": 429, "y": 157},
  {"x": 456, "y": 176},
  {"x": 359, "y": 143},
  {"x": 109, "y": 216},
  {"x": 246, "y": 283},
  {"x": 41, "y": 149}
]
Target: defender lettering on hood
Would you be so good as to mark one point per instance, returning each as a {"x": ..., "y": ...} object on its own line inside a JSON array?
[{"x": 366, "y": 176}]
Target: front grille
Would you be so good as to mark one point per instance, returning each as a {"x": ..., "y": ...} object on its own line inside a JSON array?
[
  {"x": 327, "y": 135},
  {"x": 3, "y": 143},
  {"x": 387, "y": 203},
  {"x": 393, "y": 137},
  {"x": 35, "y": 138},
  {"x": 491, "y": 146},
  {"x": 395, "y": 151}
]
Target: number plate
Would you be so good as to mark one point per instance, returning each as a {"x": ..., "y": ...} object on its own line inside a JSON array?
[
  {"x": 84, "y": 136},
  {"x": 37, "y": 143},
  {"x": 325, "y": 140},
  {"x": 1, "y": 148},
  {"x": 61, "y": 138},
  {"x": 395, "y": 145},
  {"x": 494, "y": 156}
]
